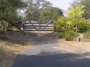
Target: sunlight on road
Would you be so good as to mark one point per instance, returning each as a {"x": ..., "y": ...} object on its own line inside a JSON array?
[{"x": 74, "y": 47}]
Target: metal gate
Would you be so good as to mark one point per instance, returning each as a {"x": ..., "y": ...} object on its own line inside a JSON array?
[{"x": 29, "y": 25}]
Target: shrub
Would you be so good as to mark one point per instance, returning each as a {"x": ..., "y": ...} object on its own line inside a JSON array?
[
  {"x": 68, "y": 35},
  {"x": 83, "y": 25},
  {"x": 87, "y": 34},
  {"x": 60, "y": 24},
  {"x": 3, "y": 26}
]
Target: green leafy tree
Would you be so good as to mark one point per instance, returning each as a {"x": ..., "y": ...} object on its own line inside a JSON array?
[
  {"x": 3, "y": 26},
  {"x": 74, "y": 23},
  {"x": 83, "y": 25},
  {"x": 8, "y": 10},
  {"x": 50, "y": 13},
  {"x": 75, "y": 13},
  {"x": 60, "y": 24},
  {"x": 87, "y": 8},
  {"x": 34, "y": 7},
  {"x": 86, "y": 3}
]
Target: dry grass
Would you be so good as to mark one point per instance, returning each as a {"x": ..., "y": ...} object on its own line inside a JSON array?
[
  {"x": 11, "y": 47},
  {"x": 81, "y": 45},
  {"x": 74, "y": 47},
  {"x": 8, "y": 52}
]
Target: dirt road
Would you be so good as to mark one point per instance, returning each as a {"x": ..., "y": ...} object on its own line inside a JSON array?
[{"x": 48, "y": 51}]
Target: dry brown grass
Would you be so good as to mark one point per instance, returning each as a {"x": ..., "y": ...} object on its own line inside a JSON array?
[
  {"x": 74, "y": 47},
  {"x": 8, "y": 52}
]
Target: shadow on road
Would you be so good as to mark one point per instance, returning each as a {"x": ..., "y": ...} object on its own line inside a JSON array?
[
  {"x": 29, "y": 38},
  {"x": 52, "y": 60}
]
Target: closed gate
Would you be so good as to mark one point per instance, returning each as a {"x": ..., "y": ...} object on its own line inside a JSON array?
[{"x": 37, "y": 26}]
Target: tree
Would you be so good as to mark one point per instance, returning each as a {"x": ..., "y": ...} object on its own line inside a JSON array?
[
  {"x": 8, "y": 10},
  {"x": 69, "y": 27},
  {"x": 34, "y": 7},
  {"x": 75, "y": 13},
  {"x": 50, "y": 13},
  {"x": 86, "y": 3},
  {"x": 3, "y": 26},
  {"x": 87, "y": 8},
  {"x": 74, "y": 20},
  {"x": 60, "y": 24}
]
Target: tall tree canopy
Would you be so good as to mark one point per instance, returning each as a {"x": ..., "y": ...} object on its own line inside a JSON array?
[
  {"x": 74, "y": 21},
  {"x": 8, "y": 9},
  {"x": 34, "y": 7},
  {"x": 76, "y": 11},
  {"x": 86, "y": 3},
  {"x": 87, "y": 8},
  {"x": 50, "y": 13},
  {"x": 75, "y": 17}
]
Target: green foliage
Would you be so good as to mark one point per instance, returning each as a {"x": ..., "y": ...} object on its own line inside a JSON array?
[
  {"x": 60, "y": 24},
  {"x": 50, "y": 13},
  {"x": 68, "y": 35},
  {"x": 76, "y": 11},
  {"x": 87, "y": 8},
  {"x": 74, "y": 23},
  {"x": 87, "y": 34},
  {"x": 63, "y": 24},
  {"x": 3, "y": 26},
  {"x": 70, "y": 23},
  {"x": 86, "y": 3},
  {"x": 8, "y": 10},
  {"x": 76, "y": 14},
  {"x": 34, "y": 8},
  {"x": 83, "y": 25}
]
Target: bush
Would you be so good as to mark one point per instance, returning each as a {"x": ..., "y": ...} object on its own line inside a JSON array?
[
  {"x": 68, "y": 35},
  {"x": 87, "y": 34},
  {"x": 3, "y": 26},
  {"x": 60, "y": 24},
  {"x": 83, "y": 25}
]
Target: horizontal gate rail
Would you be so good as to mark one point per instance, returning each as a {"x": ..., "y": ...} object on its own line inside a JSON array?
[{"x": 35, "y": 26}]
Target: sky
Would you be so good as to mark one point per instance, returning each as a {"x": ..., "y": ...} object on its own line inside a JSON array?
[{"x": 63, "y": 4}]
